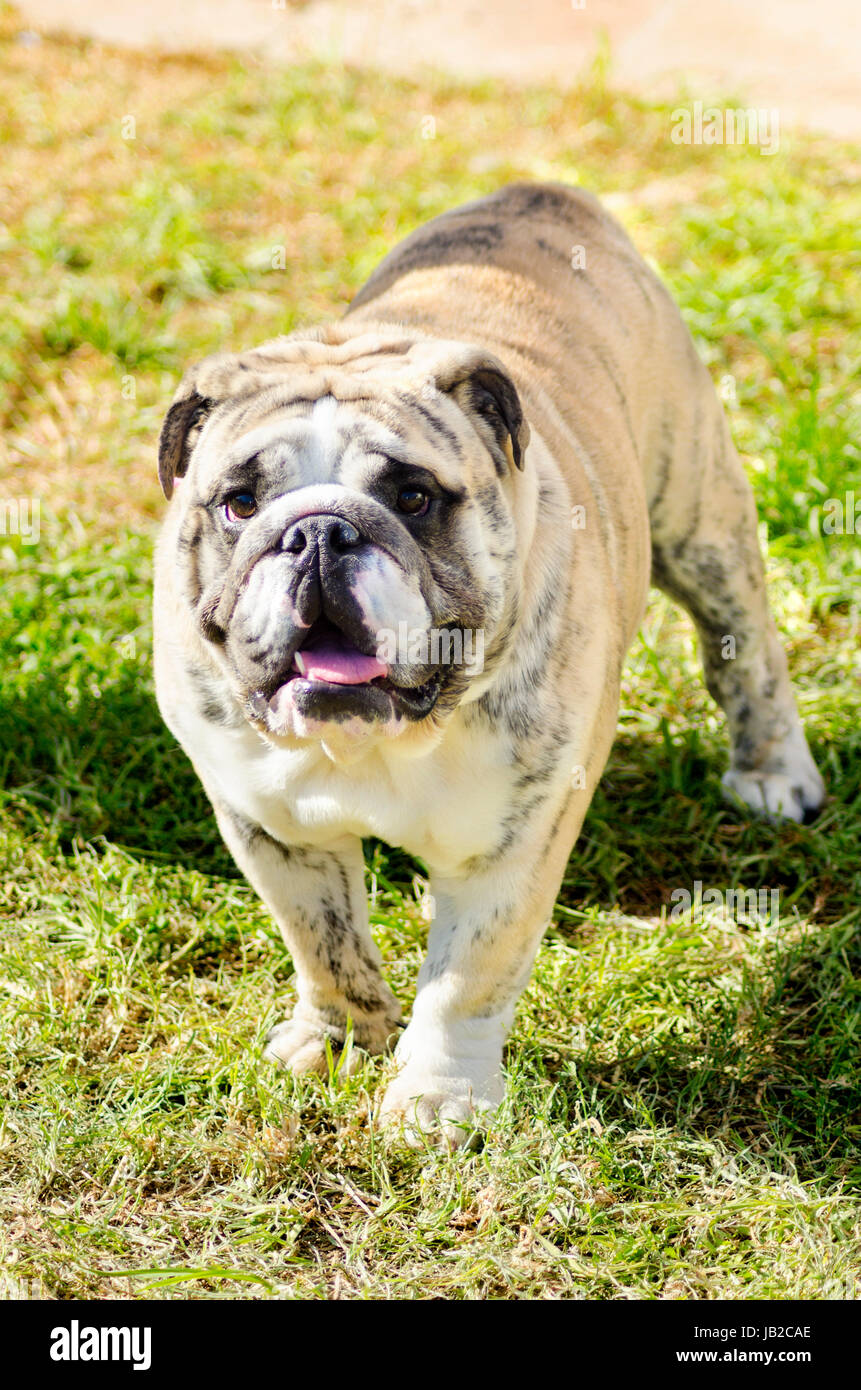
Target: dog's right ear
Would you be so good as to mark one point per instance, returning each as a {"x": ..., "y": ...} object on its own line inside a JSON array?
[
  {"x": 203, "y": 387},
  {"x": 182, "y": 425}
]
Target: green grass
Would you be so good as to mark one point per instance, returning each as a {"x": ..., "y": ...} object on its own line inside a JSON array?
[{"x": 682, "y": 1118}]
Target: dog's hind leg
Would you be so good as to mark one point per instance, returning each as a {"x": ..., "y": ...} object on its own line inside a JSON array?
[{"x": 705, "y": 555}]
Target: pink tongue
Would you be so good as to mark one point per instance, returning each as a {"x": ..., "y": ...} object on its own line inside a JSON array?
[{"x": 340, "y": 665}]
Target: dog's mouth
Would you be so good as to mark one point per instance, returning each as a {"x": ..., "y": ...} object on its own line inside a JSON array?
[
  {"x": 326, "y": 655},
  {"x": 333, "y": 679}
]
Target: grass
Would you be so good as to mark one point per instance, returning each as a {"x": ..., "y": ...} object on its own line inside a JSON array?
[{"x": 682, "y": 1118}]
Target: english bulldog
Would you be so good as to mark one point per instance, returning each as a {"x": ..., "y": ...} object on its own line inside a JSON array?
[{"x": 404, "y": 557}]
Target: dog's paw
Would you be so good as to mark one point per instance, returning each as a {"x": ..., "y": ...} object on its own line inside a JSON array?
[
  {"x": 299, "y": 1044},
  {"x": 789, "y": 787},
  {"x": 300, "y": 1047},
  {"x": 423, "y": 1108},
  {"x": 773, "y": 794},
  {"x": 786, "y": 787}
]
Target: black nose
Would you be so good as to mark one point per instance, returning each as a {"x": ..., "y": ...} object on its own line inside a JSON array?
[{"x": 321, "y": 532}]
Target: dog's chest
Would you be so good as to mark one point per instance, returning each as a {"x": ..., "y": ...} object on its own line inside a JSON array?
[{"x": 446, "y": 807}]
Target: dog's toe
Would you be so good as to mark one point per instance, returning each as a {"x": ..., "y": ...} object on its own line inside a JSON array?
[
  {"x": 777, "y": 795},
  {"x": 299, "y": 1048},
  {"x": 786, "y": 785},
  {"x": 441, "y": 1111}
]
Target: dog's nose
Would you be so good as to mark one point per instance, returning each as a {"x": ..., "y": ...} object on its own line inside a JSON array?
[{"x": 321, "y": 532}]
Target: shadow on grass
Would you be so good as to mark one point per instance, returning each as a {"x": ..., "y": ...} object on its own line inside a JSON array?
[
  {"x": 108, "y": 767},
  {"x": 774, "y": 1074}
]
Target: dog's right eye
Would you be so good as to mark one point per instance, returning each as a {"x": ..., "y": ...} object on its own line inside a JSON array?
[{"x": 240, "y": 506}]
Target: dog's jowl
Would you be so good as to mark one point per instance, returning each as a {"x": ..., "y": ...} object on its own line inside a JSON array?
[{"x": 356, "y": 511}]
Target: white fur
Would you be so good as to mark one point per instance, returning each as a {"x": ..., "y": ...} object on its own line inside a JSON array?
[
  {"x": 435, "y": 807},
  {"x": 386, "y": 597}
]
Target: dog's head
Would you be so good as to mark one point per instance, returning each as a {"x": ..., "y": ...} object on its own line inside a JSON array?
[{"x": 347, "y": 539}]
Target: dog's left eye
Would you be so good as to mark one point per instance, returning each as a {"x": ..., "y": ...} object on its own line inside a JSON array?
[
  {"x": 240, "y": 506},
  {"x": 413, "y": 501}
]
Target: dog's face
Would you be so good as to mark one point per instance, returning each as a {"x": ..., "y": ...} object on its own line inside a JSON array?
[{"x": 348, "y": 540}]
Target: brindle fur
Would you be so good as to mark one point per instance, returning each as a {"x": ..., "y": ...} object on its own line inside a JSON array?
[{"x": 527, "y": 387}]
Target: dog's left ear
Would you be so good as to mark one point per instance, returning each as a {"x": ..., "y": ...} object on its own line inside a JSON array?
[{"x": 482, "y": 387}]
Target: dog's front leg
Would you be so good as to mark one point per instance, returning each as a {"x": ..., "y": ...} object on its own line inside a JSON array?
[
  {"x": 486, "y": 930},
  {"x": 318, "y": 899}
]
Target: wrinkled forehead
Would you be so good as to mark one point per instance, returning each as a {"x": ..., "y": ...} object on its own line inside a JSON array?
[{"x": 333, "y": 440}]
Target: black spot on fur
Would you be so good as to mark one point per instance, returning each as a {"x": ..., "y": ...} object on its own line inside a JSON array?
[
  {"x": 438, "y": 426},
  {"x": 251, "y": 834},
  {"x": 212, "y": 702}
]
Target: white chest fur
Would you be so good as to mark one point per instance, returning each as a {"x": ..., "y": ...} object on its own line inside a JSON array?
[{"x": 445, "y": 806}]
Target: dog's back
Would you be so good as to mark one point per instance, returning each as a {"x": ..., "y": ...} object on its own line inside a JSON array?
[{"x": 549, "y": 279}]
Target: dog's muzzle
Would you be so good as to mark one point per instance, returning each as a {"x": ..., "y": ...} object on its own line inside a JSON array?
[{"x": 300, "y": 616}]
